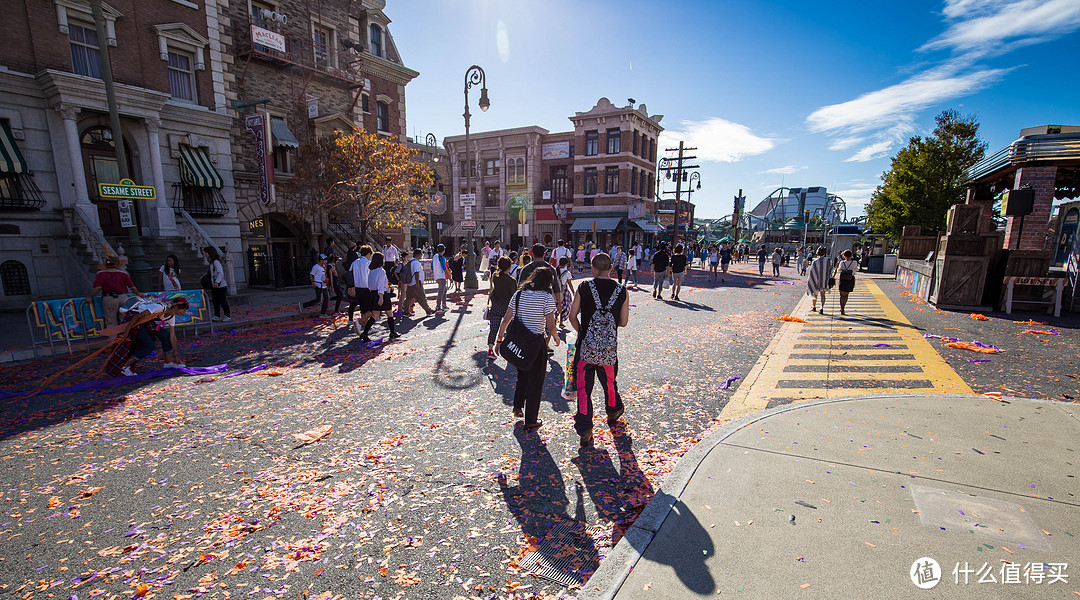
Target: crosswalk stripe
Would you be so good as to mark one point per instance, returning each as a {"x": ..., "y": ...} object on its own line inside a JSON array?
[
  {"x": 902, "y": 384},
  {"x": 828, "y": 356},
  {"x": 853, "y": 369}
]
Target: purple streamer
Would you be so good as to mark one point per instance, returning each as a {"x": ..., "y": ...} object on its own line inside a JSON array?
[
  {"x": 294, "y": 330},
  {"x": 883, "y": 345},
  {"x": 727, "y": 383},
  {"x": 249, "y": 370},
  {"x": 978, "y": 360}
]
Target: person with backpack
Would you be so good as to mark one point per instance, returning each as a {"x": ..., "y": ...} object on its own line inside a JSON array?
[
  {"x": 777, "y": 259},
  {"x": 440, "y": 271},
  {"x": 846, "y": 276},
  {"x": 219, "y": 288},
  {"x": 503, "y": 287},
  {"x": 600, "y": 307},
  {"x": 660, "y": 262},
  {"x": 534, "y": 306},
  {"x": 319, "y": 282},
  {"x": 413, "y": 279},
  {"x": 679, "y": 263}
]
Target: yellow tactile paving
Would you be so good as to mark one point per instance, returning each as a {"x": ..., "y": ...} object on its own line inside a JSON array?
[{"x": 833, "y": 355}]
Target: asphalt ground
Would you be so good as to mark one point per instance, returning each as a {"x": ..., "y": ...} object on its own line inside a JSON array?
[{"x": 194, "y": 486}]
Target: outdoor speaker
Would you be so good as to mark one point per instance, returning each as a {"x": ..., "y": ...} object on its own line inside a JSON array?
[{"x": 1017, "y": 203}]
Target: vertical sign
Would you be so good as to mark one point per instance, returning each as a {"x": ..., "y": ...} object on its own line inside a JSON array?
[
  {"x": 256, "y": 124},
  {"x": 124, "y": 206},
  {"x": 1072, "y": 266}
]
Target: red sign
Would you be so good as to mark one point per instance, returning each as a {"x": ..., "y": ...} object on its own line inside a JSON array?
[
  {"x": 468, "y": 225},
  {"x": 1033, "y": 280}
]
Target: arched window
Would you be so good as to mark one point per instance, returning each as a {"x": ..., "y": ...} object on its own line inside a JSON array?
[
  {"x": 15, "y": 280},
  {"x": 511, "y": 171},
  {"x": 521, "y": 170},
  {"x": 376, "y": 40}
]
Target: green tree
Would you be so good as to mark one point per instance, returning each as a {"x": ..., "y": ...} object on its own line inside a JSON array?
[
  {"x": 361, "y": 178},
  {"x": 926, "y": 177}
]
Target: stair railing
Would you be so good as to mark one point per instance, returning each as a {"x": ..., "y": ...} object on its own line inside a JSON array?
[{"x": 197, "y": 239}]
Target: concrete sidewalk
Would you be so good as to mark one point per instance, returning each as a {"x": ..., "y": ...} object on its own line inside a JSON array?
[{"x": 838, "y": 498}]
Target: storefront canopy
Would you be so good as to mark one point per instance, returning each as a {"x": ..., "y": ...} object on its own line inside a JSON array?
[
  {"x": 282, "y": 135},
  {"x": 196, "y": 170},
  {"x": 11, "y": 160},
  {"x": 583, "y": 224},
  {"x": 491, "y": 229},
  {"x": 648, "y": 226}
]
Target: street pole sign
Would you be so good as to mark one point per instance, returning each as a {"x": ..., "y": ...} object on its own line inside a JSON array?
[
  {"x": 468, "y": 225},
  {"x": 126, "y": 189},
  {"x": 467, "y": 200},
  {"x": 468, "y": 212},
  {"x": 124, "y": 207}
]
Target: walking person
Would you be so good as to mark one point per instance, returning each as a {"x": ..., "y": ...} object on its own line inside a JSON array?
[
  {"x": 726, "y": 254},
  {"x": 379, "y": 298},
  {"x": 318, "y": 277},
  {"x": 555, "y": 287},
  {"x": 170, "y": 274},
  {"x": 596, "y": 315},
  {"x": 503, "y": 287},
  {"x": 457, "y": 271},
  {"x": 714, "y": 262},
  {"x": 762, "y": 256},
  {"x": 679, "y": 263},
  {"x": 360, "y": 269},
  {"x": 534, "y": 306},
  {"x": 333, "y": 279},
  {"x": 777, "y": 258},
  {"x": 817, "y": 283},
  {"x": 660, "y": 262},
  {"x": 566, "y": 278},
  {"x": 618, "y": 262},
  {"x": 413, "y": 278},
  {"x": 632, "y": 265},
  {"x": 219, "y": 288},
  {"x": 440, "y": 271},
  {"x": 846, "y": 277}
]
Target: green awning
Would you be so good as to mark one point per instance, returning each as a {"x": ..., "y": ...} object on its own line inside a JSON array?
[
  {"x": 11, "y": 160},
  {"x": 196, "y": 170},
  {"x": 419, "y": 232},
  {"x": 282, "y": 135}
]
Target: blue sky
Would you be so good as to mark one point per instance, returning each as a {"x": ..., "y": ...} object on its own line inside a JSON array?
[{"x": 771, "y": 92}]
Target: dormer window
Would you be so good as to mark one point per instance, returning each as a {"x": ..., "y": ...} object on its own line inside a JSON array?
[{"x": 375, "y": 41}]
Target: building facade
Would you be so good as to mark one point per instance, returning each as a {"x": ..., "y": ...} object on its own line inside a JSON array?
[
  {"x": 595, "y": 183},
  {"x": 168, "y": 69},
  {"x": 306, "y": 69}
]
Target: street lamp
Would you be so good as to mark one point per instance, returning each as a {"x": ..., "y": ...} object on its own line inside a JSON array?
[
  {"x": 695, "y": 176},
  {"x": 433, "y": 143},
  {"x": 474, "y": 75}
]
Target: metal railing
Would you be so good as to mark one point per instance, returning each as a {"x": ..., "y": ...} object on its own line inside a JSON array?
[
  {"x": 197, "y": 239},
  {"x": 1026, "y": 150},
  {"x": 90, "y": 237}
]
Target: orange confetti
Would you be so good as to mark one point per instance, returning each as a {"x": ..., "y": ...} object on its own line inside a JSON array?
[
  {"x": 804, "y": 586},
  {"x": 979, "y": 317},
  {"x": 89, "y": 492},
  {"x": 141, "y": 590},
  {"x": 313, "y": 435},
  {"x": 972, "y": 347},
  {"x": 869, "y": 544},
  {"x": 54, "y": 502},
  {"x": 790, "y": 319}
]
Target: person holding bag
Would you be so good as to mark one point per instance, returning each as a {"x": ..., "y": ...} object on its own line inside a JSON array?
[
  {"x": 214, "y": 280},
  {"x": 503, "y": 288},
  {"x": 846, "y": 273},
  {"x": 521, "y": 342},
  {"x": 817, "y": 283}
]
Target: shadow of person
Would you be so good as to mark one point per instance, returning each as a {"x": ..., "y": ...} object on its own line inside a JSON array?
[
  {"x": 682, "y": 544},
  {"x": 619, "y": 494},
  {"x": 540, "y": 505}
]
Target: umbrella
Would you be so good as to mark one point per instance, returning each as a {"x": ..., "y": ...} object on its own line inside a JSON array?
[
  {"x": 744, "y": 241},
  {"x": 727, "y": 238}
]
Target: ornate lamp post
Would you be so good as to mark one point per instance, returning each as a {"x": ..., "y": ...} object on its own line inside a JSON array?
[
  {"x": 695, "y": 176},
  {"x": 474, "y": 75},
  {"x": 431, "y": 142}
]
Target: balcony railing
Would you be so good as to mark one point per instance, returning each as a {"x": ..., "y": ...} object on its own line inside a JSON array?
[
  {"x": 304, "y": 52},
  {"x": 1028, "y": 151}
]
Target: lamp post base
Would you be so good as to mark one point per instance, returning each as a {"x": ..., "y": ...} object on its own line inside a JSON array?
[{"x": 471, "y": 283}]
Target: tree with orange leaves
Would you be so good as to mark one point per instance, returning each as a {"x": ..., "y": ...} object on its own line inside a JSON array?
[{"x": 362, "y": 178}]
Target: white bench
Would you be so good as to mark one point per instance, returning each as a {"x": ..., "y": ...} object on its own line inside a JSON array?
[{"x": 1053, "y": 306}]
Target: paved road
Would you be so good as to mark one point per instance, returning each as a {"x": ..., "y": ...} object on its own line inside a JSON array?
[{"x": 424, "y": 487}]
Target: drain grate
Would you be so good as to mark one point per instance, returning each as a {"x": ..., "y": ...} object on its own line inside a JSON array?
[{"x": 564, "y": 554}]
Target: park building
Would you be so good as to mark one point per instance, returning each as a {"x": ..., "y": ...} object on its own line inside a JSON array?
[
  {"x": 215, "y": 97},
  {"x": 593, "y": 183}
]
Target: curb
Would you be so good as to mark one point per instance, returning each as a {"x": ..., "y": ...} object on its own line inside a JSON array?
[{"x": 606, "y": 582}]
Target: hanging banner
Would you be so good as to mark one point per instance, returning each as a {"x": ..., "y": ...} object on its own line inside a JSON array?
[{"x": 257, "y": 125}]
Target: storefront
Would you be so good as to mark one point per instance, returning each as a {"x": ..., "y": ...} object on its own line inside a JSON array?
[{"x": 277, "y": 255}]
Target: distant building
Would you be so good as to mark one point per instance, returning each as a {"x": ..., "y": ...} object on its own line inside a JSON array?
[{"x": 595, "y": 183}]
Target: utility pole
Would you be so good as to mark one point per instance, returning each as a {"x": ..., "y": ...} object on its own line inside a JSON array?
[
  {"x": 736, "y": 215},
  {"x": 680, "y": 170},
  {"x": 137, "y": 266}
]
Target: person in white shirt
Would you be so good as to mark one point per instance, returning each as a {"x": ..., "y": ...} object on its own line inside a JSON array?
[
  {"x": 170, "y": 274},
  {"x": 390, "y": 252},
  {"x": 151, "y": 323},
  {"x": 561, "y": 251},
  {"x": 441, "y": 272},
  {"x": 318, "y": 282},
  {"x": 414, "y": 291},
  {"x": 379, "y": 290},
  {"x": 219, "y": 287},
  {"x": 493, "y": 260},
  {"x": 360, "y": 268}
]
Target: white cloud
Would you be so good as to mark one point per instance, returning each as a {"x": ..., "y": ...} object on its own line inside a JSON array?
[
  {"x": 856, "y": 196},
  {"x": 502, "y": 41},
  {"x": 845, "y": 143},
  {"x": 995, "y": 26},
  {"x": 785, "y": 170},
  {"x": 718, "y": 140}
]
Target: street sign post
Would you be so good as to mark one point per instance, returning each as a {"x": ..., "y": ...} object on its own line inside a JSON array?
[
  {"x": 468, "y": 225},
  {"x": 468, "y": 212},
  {"x": 467, "y": 200},
  {"x": 124, "y": 206}
]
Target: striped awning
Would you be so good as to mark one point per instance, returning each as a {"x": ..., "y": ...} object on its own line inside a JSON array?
[
  {"x": 282, "y": 135},
  {"x": 582, "y": 224},
  {"x": 196, "y": 170},
  {"x": 11, "y": 160}
]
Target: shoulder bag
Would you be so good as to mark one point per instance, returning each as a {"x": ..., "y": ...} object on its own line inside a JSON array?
[{"x": 520, "y": 346}]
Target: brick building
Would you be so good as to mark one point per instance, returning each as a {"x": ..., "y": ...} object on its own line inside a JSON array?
[
  {"x": 168, "y": 67},
  {"x": 595, "y": 183},
  {"x": 309, "y": 68}
]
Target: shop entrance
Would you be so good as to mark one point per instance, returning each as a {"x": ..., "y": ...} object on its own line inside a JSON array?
[{"x": 101, "y": 166}]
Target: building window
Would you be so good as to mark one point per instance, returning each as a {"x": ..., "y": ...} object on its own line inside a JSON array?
[
  {"x": 364, "y": 103},
  {"x": 611, "y": 180},
  {"x": 322, "y": 45},
  {"x": 491, "y": 197},
  {"x": 652, "y": 150},
  {"x": 651, "y": 186},
  {"x": 85, "y": 51},
  {"x": 283, "y": 159},
  {"x": 259, "y": 10},
  {"x": 641, "y": 186},
  {"x": 491, "y": 167},
  {"x": 181, "y": 76},
  {"x": 644, "y": 146},
  {"x": 382, "y": 117},
  {"x": 521, "y": 170},
  {"x": 558, "y": 184},
  {"x": 515, "y": 170},
  {"x": 633, "y": 181},
  {"x": 614, "y": 140},
  {"x": 571, "y": 151},
  {"x": 590, "y": 181},
  {"x": 467, "y": 166},
  {"x": 14, "y": 278},
  {"x": 592, "y": 143},
  {"x": 633, "y": 134},
  {"x": 376, "y": 41},
  {"x": 588, "y": 201}
]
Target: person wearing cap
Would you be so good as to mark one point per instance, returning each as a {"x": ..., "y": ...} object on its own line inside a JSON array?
[
  {"x": 113, "y": 284},
  {"x": 441, "y": 272},
  {"x": 318, "y": 282},
  {"x": 150, "y": 323}
]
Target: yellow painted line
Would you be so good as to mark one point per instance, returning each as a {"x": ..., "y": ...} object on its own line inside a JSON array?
[{"x": 768, "y": 379}]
